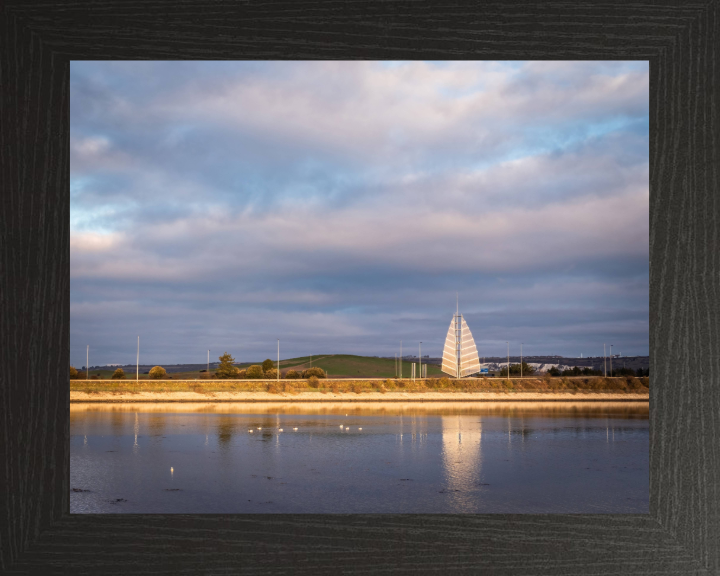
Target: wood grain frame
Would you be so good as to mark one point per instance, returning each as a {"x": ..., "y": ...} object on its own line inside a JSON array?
[{"x": 681, "y": 535}]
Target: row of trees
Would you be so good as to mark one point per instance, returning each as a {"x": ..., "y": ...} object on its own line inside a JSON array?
[
  {"x": 577, "y": 371},
  {"x": 574, "y": 371},
  {"x": 225, "y": 371},
  {"x": 157, "y": 372},
  {"x": 527, "y": 370},
  {"x": 228, "y": 371}
]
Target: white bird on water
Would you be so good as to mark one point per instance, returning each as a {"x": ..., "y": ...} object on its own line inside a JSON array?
[
  {"x": 359, "y": 428},
  {"x": 280, "y": 430},
  {"x": 250, "y": 431},
  {"x": 294, "y": 428}
]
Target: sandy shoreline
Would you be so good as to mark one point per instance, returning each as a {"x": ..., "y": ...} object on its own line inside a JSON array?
[{"x": 189, "y": 396}]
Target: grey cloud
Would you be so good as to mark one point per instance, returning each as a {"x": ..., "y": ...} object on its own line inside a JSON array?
[{"x": 328, "y": 202}]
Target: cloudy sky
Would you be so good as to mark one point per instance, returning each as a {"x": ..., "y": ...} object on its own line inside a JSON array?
[{"x": 339, "y": 206}]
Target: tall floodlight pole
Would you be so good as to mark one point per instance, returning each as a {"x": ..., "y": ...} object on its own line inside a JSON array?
[
  {"x": 400, "y": 359},
  {"x": 278, "y": 369},
  {"x": 508, "y": 344},
  {"x": 208, "y": 364},
  {"x": 137, "y": 365},
  {"x": 605, "y": 360},
  {"x": 457, "y": 334},
  {"x": 420, "y": 358},
  {"x": 611, "y": 361},
  {"x": 87, "y": 363},
  {"x": 521, "y": 359}
]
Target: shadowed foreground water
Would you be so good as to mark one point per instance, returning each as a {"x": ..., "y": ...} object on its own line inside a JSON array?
[{"x": 350, "y": 458}]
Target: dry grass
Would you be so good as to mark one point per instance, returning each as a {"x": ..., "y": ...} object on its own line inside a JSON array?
[{"x": 630, "y": 385}]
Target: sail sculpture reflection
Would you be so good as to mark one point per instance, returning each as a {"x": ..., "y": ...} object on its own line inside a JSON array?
[{"x": 460, "y": 356}]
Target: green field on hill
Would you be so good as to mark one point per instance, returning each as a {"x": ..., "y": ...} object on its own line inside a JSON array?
[{"x": 346, "y": 365}]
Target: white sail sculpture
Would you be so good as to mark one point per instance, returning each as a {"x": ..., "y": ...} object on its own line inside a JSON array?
[{"x": 460, "y": 356}]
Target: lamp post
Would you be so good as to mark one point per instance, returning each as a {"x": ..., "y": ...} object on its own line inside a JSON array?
[
  {"x": 208, "y": 365},
  {"x": 137, "y": 365},
  {"x": 508, "y": 344},
  {"x": 521, "y": 359},
  {"x": 87, "y": 363},
  {"x": 604, "y": 360},
  {"x": 400, "y": 359},
  {"x": 420, "y": 357},
  {"x": 611, "y": 361},
  {"x": 278, "y": 368}
]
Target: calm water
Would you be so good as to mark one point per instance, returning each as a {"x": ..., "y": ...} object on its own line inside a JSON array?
[{"x": 414, "y": 458}]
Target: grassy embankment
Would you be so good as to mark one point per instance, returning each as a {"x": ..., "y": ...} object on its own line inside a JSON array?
[{"x": 629, "y": 385}]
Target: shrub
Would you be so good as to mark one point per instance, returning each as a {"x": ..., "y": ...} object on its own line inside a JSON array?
[
  {"x": 119, "y": 374},
  {"x": 515, "y": 369},
  {"x": 315, "y": 371},
  {"x": 96, "y": 377},
  {"x": 292, "y": 375},
  {"x": 73, "y": 373},
  {"x": 254, "y": 372},
  {"x": 157, "y": 372},
  {"x": 226, "y": 369},
  {"x": 444, "y": 382},
  {"x": 623, "y": 372},
  {"x": 272, "y": 387},
  {"x": 271, "y": 374},
  {"x": 313, "y": 381},
  {"x": 293, "y": 387},
  {"x": 334, "y": 387},
  {"x": 614, "y": 384},
  {"x": 242, "y": 374},
  {"x": 267, "y": 365}
]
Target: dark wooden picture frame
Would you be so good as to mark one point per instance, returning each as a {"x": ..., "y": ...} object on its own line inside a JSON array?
[{"x": 681, "y": 535}]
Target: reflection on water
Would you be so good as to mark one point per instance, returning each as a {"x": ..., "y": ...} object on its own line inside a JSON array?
[
  {"x": 461, "y": 459},
  {"x": 360, "y": 458}
]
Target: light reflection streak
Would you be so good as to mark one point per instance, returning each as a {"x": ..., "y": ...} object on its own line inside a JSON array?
[
  {"x": 136, "y": 429},
  {"x": 461, "y": 460}
]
